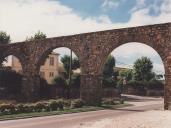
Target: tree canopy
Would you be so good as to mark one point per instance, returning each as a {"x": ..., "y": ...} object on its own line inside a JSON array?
[
  {"x": 127, "y": 74},
  {"x": 143, "y": 69},
  {"x": 66, "y": 63},
  {"x": 37, "y": 36},
  {"x": 4, "y": 39},
  {"x": 108, "y": 67}
]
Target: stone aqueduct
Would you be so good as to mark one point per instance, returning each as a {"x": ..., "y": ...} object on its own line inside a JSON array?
[{"x": 92, "y": 50}]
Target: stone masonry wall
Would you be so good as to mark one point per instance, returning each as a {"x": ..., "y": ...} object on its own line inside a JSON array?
[{"x": 92, "y": 50}]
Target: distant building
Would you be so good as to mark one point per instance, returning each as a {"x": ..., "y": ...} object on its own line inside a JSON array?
[{"x": 49, "y": 70}]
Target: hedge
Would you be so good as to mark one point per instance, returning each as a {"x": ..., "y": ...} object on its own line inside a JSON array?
[{"x": 51, "y": 105}]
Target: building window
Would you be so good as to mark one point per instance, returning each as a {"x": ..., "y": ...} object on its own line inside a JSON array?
[
  {"x": 51, "y": 74},
  {"x": 51, "y": 61},
  {"x": 42, "y": 74}
]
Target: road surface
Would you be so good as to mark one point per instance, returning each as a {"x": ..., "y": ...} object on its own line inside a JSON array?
[{"x": 70, "y": 120}]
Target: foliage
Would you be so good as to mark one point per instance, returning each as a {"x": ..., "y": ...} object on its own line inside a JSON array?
[
  {"x": 108, "y": 72},
  {"x": 109, "y": 101},
  {"x": 134, "y": 83},
  {"x": 143, "y": 69},
  {"x": 40, "y": 106},
  {"x": 59, "y": 81},
  {"x": 7, "y": 108},
  {"x": 55, "y": 105},
  {"x": 152, "y": 84},
  {"x": 126, "y": 74},
  {"x": 66, "y": 63},
  {"x": 120, "y": 85},
  {"x": 20, "y": 108},
  {"x": 4, "y": 38},
  {"x": 109, "y": 82},
  {"x": 37, "y": 36},
  {"x": 67, "y": 103},
  {"x": 77, "y": 103},
  {"x": 155, "y": 84},
  {"x": 109, "y": 65}
]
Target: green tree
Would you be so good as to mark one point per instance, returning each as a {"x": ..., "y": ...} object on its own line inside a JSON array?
[
  {"x": 127, "y": 74},
  {"x": 4, "y": 39},
  {"x": 37, "y": 36},
  {"x": 108, "y": 72},
  {"x": 66, "y": 63},
  {"x": 143, "y": 69},
  {"x": 59, "y": 81},
  {"x": 109, "y": 66}
]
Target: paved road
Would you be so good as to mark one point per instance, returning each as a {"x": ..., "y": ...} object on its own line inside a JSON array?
[{"x": 69, "y": 120}]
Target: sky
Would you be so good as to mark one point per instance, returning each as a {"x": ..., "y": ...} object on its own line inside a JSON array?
[{"x": 23, "y": 18}]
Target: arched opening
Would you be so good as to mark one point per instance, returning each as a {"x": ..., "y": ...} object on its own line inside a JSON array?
[
  {"x": 60, "y": 75},
  {"x": 135, "y": 69},
  {"x": 10, "y": 78}
]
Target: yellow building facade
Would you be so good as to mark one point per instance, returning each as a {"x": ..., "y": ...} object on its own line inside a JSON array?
[{"x": 49, "y": 70}]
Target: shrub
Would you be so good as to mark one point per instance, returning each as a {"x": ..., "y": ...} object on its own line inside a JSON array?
[
  {"x": 121, "y": 100},
  {"x": 67, "y": 103},
  {"x": 77, "y": 103},
  {"x": 108, "y": 82},
  {"x": 20, "y": 108},
  {"x": 59, "y": 81},
  {"x": 108, "y": 101},
  {"x": 7, "y": 108},
  {"x": 26, "y": 108},
  {"x": 30, "y": 108},
  {"x": 133, "y": 84},
  {"x": 53, "y": 105},
  {"x": 60, "y": 104},
  {"x": 155, "y": 84},
  {"x": 47, "y": 107},
  {"x": 39, "y": 106}
]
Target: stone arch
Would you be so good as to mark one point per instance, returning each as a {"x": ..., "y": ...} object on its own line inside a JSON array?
[
  {"x": 160, "y": 55},
  {"x": 159, "y": 45},
  {"x": 18, "y": 56},
  {"x": 41, "y": 59}
]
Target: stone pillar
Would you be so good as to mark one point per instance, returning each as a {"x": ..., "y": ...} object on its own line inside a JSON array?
[
  {"x": 91, "y": 89},
  {"x": 31, "y": 86},
  {"x": 167, "y": 92}
]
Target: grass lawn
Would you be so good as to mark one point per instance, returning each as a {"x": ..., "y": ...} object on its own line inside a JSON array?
[{"x": 65, "y": 111}]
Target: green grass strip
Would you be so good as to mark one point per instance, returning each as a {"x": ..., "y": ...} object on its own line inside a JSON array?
[{"x": 65, "y": 111}]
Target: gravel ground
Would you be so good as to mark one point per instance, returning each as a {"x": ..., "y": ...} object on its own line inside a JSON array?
[{"x": 148, "y": 119}]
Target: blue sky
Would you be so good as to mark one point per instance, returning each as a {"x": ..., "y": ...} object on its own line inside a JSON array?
[
  {"x": 23, "y": 18},
  {"x": 116, "y": 10}
]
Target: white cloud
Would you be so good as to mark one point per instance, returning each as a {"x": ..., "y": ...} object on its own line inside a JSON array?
[
  {"x": 22, "y": 19},
  {"x": 127, "y": 54},
  {"x": 158, "y": 68},
  {"x": 134, "y": 49},
  {"x": 108, "y": 4}
]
